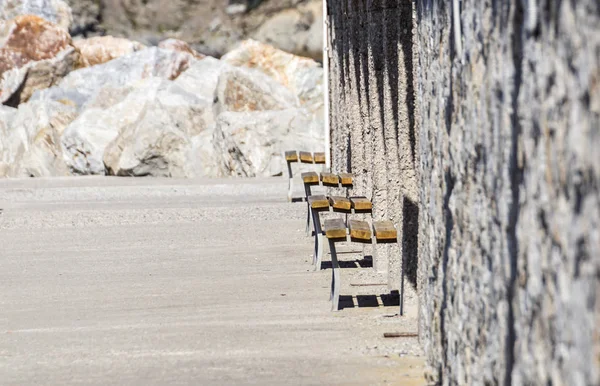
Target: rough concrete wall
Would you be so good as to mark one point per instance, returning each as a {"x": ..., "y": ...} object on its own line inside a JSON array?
[
  {"x": 509, "y": 263},
  {"x": 372, "y": 116}
]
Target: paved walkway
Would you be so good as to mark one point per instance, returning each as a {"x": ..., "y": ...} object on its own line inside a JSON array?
[{"x": 147, "y": 281}]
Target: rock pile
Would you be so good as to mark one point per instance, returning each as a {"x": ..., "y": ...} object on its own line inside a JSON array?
[{"x": 108, "y": 105}]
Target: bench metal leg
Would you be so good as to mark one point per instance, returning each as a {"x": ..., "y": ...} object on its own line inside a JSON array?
[
  {"x": 318, "y": 256},
  {"x": 290, "y": 181},
  {"x": 402, "y": 283},
  {"x": 335, "y": 278},
  {"x": 307, "y": 192}
]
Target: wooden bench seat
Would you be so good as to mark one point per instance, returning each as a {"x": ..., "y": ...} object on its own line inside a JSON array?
[
  {"x": 359, "y": 231},
  {"x": 335, "y": 229},
  {"x": 306, "y": 157},
  {"x": 339, "y": 203},
  {"x": 291, "y": 156},
  {"x": 330, "y": 179},
  {"x": 318, "y": 202},
  {"x": 385, "y": 231},
  {"x": 319, "y": 158},
  {"x": 361, "y": 203},
  {"x": 346, "y": 179},
  {"x": 311, "y": 178}
]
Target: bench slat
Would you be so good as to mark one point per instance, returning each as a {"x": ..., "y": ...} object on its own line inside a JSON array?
[
  {"x": 318, "y": 202},
  {"x": 310, "y": 178},
  {"x": 340, "y": 203},
  {"x": 346, "y": 179},
  {"x": 306, "y": 157},
  {"x": 360, "y": 230},
  {"x": 330, "y": 179},
  {"x": 335, "y": 228},
  {"x": 319, "y": 158},
  {"x": 291, "y": 156},
  {"x": 361, "y": 203},
  {"x": 385, "y": 230}
]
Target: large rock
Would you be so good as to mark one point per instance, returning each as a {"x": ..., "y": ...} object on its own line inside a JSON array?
[
  {"x": 82, "y": 85},
  {"x": 242, "y": 89},
  {"x": 298, "y": 30},
  {"x": 250, "y": 144},
  {"x": 202, "y": 77},
  {"x": 101, "y": 49},
  {"x": 34, "y": 54},
  {"x": 302, "y": 76},
  {"x": 122, "y": 114},
  {"x": 55, "y": 11},
  {"x": 32, "y": 140},
  {"x": 213, "y": 27}
]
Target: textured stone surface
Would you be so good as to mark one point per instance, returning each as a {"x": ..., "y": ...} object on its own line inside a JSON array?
[
  {"x": 31, "y": 139},
  {"x": 302, "y": 76},
  {"x": 181, "y": 46},
  {"x": 34, "y": 54},
  {"x": 506, "y": 120},
  {"x": 123, "y": 113},
  {"x": 102, "y": 49},
  {"x": 82, "y": 85},
  {"x": 509, "y": 192},
  {"x": 240, "y": 89},
  {"x": 159, "y": 142},
  {"x": 202, "y": 77},
  {"x": 208, "y": 25},
  {"x": 55, "y": 11},
  {"x": 251, "y": 144}
]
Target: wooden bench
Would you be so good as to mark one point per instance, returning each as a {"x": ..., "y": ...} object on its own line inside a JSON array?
[
  {"x": 311, "y": 179},
  {"x": 357, "y": 231},
  {"x": 351, "y": 205},
  {"x": 293, "y": 156}
]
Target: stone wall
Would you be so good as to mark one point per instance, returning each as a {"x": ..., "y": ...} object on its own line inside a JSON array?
[{"x": 498, "y": 158}]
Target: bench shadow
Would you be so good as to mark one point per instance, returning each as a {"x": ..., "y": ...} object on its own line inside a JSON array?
[
  {"x": 370, "y": 301},
  {"x": 365, "y": 262}
]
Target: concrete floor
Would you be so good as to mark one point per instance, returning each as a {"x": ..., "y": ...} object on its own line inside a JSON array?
[{"x": 153, "y": 281}]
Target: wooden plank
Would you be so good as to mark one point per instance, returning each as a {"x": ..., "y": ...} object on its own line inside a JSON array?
[
  {"x": 385, "y": 230},
  {"x": 319, "y": 158},
  {"x": 318, "y": 202},
  {"x": 361, "y": 203},
  {"x": 330, "y": 179},
  {"x": 310, "y": 178},
  {"x": 400, "y": 335},
  {"x": 335, "y": 228},
  {"x": 306, "y": 157},
  {"x": 340, "y": 203},
  {"x": 291, "y": 156},
  {"x": 360, "y": 230},
  {"x": 346, "y": 179}
]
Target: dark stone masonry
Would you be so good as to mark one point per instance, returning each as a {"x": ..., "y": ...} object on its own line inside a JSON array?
[{"x": 477, "y": 128}]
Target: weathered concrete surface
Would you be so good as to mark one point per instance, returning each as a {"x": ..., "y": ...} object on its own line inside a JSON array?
[
  {"x": 154, "y": 281},
  {"x": 372, "y": 116}
]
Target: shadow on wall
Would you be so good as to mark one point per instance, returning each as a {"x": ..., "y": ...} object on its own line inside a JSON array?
[
  {"x": 373, "y": 47},
  {"x": 410, "y": 240}
]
